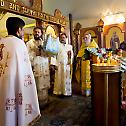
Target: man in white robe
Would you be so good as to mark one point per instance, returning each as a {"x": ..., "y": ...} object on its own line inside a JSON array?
[
  {"x": 40, "y": 63},
  {"x": 18, "y": 96},
  {"x": 63, "y": 75}
]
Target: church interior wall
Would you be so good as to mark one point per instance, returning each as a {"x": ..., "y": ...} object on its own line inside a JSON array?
[{"x": 89, "y": 22}]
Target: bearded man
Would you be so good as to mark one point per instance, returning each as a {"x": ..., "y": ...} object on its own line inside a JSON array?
[
  {"x": 63, "y": 75},
  {"x": 83, "y": 65},
  {"x": 40, "y": 64}
]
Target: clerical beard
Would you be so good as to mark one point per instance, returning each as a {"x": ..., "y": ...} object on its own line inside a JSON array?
[{"x": 38, "y": 37}]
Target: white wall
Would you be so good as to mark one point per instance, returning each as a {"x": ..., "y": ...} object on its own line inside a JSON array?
[{"x": 90, "y": 22}]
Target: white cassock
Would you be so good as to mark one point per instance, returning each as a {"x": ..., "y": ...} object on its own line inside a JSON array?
[
  {"x": 18, "y": 96},
  {"x": 63, "y": 75}
]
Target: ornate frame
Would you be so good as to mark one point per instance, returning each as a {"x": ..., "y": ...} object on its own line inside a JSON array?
[
  {"x": 37, "y": 4},
  {"x": 110, "y": 29}
]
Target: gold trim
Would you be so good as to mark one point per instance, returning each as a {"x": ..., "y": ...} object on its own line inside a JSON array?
[
  {"x": 29, "y": 25},
  {"x": 105, "y": 69},
  {"x": 34, "y": 120},
  {"x": 16, "y": 8}
]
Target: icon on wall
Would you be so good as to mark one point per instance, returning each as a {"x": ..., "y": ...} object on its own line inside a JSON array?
[
  {"x": 113, "y": 36},
  {"x": 114, "y": 41}
]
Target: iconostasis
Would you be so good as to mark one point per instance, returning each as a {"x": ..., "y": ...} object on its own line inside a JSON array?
[
  {"x": 33, "y": 10},
  {"x": 104, "y": 36}
]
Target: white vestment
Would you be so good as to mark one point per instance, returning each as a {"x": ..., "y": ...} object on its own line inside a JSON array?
[
  {"x": 40, "y": 67},
  {"x": 18, "y": 96},
  {"x": 63, "y": 75}
]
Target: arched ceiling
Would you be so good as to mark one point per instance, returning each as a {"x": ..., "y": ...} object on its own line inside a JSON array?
[{"x": 84, "y": 9}]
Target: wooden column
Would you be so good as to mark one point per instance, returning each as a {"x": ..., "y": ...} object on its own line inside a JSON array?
[
  {"x": 71, "y": 28},
  {"x": 100, "y": 30},
  {"x": 76, "y": 38}
]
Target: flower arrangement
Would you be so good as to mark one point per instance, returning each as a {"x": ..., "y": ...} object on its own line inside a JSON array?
[{"x": 106, "y": 56}]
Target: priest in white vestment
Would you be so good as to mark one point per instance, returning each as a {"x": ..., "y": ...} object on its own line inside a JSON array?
[
  {"x": 18, "y": 95},
  {"x": 63, "y": 75},
  {"x": 40, "y": 63}
]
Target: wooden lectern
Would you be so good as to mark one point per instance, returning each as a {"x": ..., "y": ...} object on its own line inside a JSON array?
[{"x": 106, "y": 95}]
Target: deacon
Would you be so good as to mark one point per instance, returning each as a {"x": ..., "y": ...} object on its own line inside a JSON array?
[{"x": 18, "y": 95}]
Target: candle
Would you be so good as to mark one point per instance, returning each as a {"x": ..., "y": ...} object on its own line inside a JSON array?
[{"x": 98, "y": 60}]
